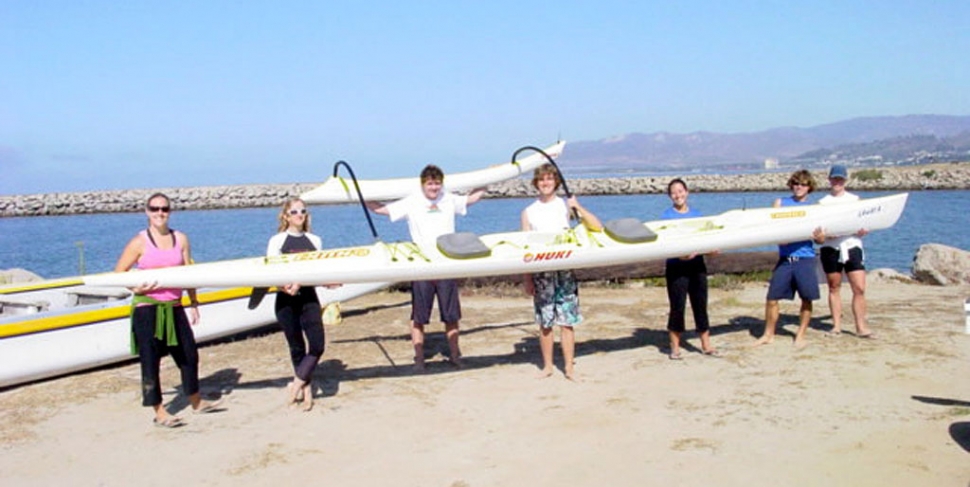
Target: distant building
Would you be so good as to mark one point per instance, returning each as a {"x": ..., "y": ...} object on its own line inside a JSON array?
[{"x": 771, "y": 163}]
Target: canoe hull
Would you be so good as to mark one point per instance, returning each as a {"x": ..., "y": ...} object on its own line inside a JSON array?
[
  {"x": 47, "y": 344},
  {"x": 527, "y": 252}
]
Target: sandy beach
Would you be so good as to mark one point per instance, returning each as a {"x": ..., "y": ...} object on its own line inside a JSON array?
[{"x": 894, "y": 410}]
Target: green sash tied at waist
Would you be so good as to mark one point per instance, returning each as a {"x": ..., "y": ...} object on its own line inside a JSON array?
[{"x": 164, "y": 320}]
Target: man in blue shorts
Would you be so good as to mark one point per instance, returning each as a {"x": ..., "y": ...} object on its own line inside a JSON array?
[{"x": 795, "y": 270}]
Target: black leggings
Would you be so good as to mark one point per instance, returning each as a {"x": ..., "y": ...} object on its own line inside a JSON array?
[
  {"x": 151, "y": 351},
  {"x": 687, "y": 278},
  {"x": 298, "y": 316}
]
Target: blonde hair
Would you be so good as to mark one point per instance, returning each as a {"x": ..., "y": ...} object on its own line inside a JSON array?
[{"x": 284, "y": 212}]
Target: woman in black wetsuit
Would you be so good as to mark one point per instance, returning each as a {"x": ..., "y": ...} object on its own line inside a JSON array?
[{"x": 298, "y": 307}]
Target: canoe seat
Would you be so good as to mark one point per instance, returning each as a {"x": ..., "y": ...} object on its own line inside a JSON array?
[
  {"x": 13, "y": 306},
  {"x": 463, "y": 245},
  {"x": 629, "y": 230},
  {"x": 94, "y": 295}
]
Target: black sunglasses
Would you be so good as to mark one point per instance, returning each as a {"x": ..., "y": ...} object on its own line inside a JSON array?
[
  {"x": 156, "y": 209},
  {"x": 301, "y": 211}
]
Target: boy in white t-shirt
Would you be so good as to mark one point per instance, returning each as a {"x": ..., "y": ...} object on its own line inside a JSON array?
[{"x": 430, "y": 214}]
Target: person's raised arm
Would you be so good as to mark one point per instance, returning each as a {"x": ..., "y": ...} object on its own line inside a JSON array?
[
  {"x": 476, "y": 195},
  {"x": 377, "y": 207},
  {"x": 590, "y": 220}
]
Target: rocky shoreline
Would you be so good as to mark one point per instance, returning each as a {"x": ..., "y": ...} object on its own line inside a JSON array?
[{"x": 902, "y": 178}]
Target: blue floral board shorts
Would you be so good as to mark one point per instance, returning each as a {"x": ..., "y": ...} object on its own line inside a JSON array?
[{"x": 556, "y": 299}]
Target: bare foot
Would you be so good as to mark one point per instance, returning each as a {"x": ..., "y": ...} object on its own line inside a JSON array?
[
  {"x": 570, "y": 374},
  {"x": 294, "y": 393},
  {"x": 800, "y": 343},
  {"x": 764, "y": 340},
  {"x": 419, "y": 364},
  {"x": 307, "y": 397},
  {"x": 544, "y": 373},
  {"x": 456, "y": 361}
]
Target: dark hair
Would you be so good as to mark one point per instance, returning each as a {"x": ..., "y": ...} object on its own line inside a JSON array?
[
  {"x": 542, "y": 170},
  {"x": 432, "y": 172},
  {"x": 168, "y": 201},
  {"x": 802, "y": 176},
  {"x": 676, "y": 181}
]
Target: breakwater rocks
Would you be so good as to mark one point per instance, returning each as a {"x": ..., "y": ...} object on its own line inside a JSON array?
[{"x": 901, "y": 178}]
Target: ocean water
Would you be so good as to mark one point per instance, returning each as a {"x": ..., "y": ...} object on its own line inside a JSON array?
[{"x": 60, "y": 246}]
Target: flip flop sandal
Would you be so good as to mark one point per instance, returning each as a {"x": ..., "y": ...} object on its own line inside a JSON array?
[
  {"x": 209, "y": 407},
  {"x": 169, "y": 422}
]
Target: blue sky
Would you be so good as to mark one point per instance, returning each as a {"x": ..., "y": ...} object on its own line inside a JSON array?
[{"x": 137, "y": 94}]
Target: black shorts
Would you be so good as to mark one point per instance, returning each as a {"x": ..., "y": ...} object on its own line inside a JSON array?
[
  {"x": 422, "y": 299},
  {"x": 831, "y": 265}
]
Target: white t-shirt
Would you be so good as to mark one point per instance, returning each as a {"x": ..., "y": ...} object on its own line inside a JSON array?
[
  {"x": 551, "y": 216},
  {"x": 428, "y": 219},
  {"x": 843, "y": 242}
]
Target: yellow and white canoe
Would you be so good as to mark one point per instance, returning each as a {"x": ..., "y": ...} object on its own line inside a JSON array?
[{"x": 55, "y": 327}]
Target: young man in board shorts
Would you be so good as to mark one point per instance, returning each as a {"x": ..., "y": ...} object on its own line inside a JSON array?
[
  {"x": 555, "y": 294},
  {"x": 430, "y": 214},
  {"x": 795, "y": 270}
]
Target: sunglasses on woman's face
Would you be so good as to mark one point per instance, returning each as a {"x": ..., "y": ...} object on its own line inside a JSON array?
[
  {"x": 156, "y": 209},
  {"x": 301, "y": 211}
]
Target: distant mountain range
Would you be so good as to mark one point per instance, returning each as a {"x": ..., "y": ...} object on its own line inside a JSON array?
[{"x": 869, "y": 140}]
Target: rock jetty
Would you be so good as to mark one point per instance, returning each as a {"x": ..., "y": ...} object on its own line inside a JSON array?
[{"x": 901, "y": 178}]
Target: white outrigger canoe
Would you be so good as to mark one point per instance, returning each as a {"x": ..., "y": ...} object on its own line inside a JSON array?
[
  {"x": 60, "y": 326},
  {"x": 466, "y": 255},
  {"x": 55, "y": 327},
  {"x": 337, "y": 189}
]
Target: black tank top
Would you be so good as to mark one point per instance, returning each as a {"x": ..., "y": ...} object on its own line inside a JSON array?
[{"x": 295, "y": 245}]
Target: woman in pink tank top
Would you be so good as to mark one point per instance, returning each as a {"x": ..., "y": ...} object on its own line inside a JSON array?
[{"x": 159, "y": 322}]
